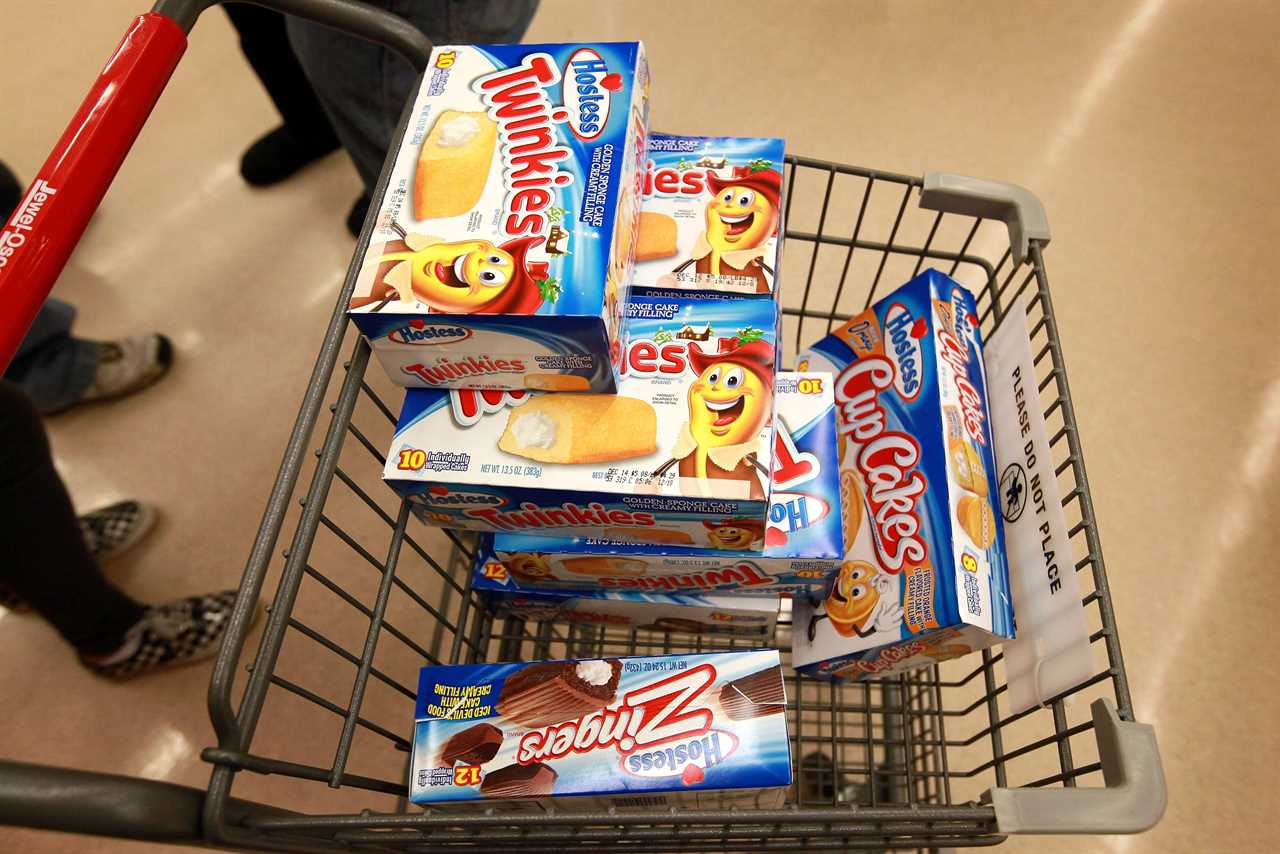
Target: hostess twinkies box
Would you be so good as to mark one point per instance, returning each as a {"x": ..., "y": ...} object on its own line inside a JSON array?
[
  {"x": 687, "y": 439},
  {"x": 803, "y": 536},
  {"x": 711, "y": 214},
  {"x": 925, "y": 576},
  {"x": 695, "y": 613},
  {"x": 647, "y": 732},
  {"x": 505, "y": 239}
]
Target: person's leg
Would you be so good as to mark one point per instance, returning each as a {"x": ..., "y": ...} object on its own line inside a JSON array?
[
  {"x": 46, "y": 561},
  {"x": 48, "y": 565},
  {"x": 306, "y": 134},
  {"x": 53, "y": 367},
  {"x": 363, "y": 86}
]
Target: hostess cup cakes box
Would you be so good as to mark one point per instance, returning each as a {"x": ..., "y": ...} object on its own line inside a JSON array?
[
  {"x": 505, "y": 238},
  {"x": 689, "y": 612},
  {"x": 711, "y": 214},
  {"x": 803, "y": 535},
  {"x": 925, "y": 577},
  {"x": 645, "y": 732},
  {"x": 687, "y": 439}
]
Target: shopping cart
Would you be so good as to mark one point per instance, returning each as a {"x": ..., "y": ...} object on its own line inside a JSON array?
[{"x": 312, "y": 716}]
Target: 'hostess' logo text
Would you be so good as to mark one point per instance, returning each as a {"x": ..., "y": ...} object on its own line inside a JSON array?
[
  {"x": 904, "y": 349},
  {"x": 423, "y": 334},
  {"x": 887, "y": 461},
  {"x": 517, "y": 101},
  {"x": 657, "y": 713},
  {"x": 586, "y": 92},
  {"x": 439, "y": 496}
]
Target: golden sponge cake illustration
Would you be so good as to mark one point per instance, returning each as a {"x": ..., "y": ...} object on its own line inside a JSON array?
[
  {"x": 966, "y": 466},
  {"x": 581, "y": 428},
  {"x": 656, "y": 536},
  {"x": 556, "y": 382},
  {"x": 453, "y": 164},
  {"x": 978, "y": 521},
  {"x": 851, "y": 506},
  {"x": 605, "y": 566},
  {"x": 657, "y": 236}
]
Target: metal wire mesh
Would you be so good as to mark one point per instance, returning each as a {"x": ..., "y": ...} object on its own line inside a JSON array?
[{"x": 366, "y": 596}]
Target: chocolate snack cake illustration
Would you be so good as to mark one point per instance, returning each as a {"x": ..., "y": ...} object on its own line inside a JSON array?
[
  {"x": 754, "y": 695},
  {"x": 472, "y": 746},
  {"x": 555, "y": 691},
  {"x": 519, "y": 781}
]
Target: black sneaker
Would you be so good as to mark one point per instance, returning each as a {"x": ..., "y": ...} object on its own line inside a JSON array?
[
  {"x": 282, "y": 153},
  {"x": 169, "y": 635},
  {"x": 111, "y": 531}
]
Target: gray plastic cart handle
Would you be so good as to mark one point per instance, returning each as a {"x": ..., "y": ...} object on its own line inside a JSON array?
[
  {"x": 1016, "y": 206},
  {"x": 1132, "y": 801}
]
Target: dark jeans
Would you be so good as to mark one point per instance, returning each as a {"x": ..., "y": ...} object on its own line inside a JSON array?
[
  {"x": 364, "y": 86},
  {"x": 43, "y": 557},
  {"x": 52, "y": 366}
]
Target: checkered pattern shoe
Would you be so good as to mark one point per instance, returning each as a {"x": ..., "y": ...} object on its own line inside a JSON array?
[
  {"x": 172, "y": 634},
  {"x": 128, "y": 365},
  {"x": 111, "y": 531}
]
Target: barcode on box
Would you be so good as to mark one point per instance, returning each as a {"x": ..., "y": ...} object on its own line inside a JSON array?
[{"x": 641, "y": 801}]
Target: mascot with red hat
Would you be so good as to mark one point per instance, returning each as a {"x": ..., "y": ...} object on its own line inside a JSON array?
[
  {"x": 730, "y": 404},
  {"x": 740, "y": 220},
  {"x": 463, "y": 277},
  {"x": 735, "y": 534}
]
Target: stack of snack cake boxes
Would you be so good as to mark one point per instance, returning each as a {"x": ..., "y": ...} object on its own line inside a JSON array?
[{"x": 587, "y": 321}]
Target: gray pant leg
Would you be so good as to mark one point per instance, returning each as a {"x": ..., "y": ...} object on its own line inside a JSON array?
[
  {"x": 51, "y": 366},
  {"x": 364, "y": 86}
]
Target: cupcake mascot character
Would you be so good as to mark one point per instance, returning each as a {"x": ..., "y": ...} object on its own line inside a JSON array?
[
  {"x": 460, "y": 277},
  {"x": 729, "y": 405},
  {"x": 861, "y": 602}
]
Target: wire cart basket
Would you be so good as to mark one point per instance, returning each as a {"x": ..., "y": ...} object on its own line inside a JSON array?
[{"x": 362, "y": 597}]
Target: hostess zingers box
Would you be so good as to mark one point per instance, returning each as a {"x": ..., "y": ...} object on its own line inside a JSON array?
[
  {"x": 704, "y": 730},
  {"x": 687, "y": 439},
  {"x": 804, "y": 534},
  {"x": 924, "y": 578},
  {"x": 711, "y": 215},
  {"x": 504, "y": 242}
]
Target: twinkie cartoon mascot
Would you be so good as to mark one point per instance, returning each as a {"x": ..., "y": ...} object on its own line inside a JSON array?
[
  {"x": 862, "y": 601},
  {"x": 729, "y": 405},
  {"x": 740, "y": 219},
  {"x": 462, "y": 277},
  {"x": 735, "y": 534}
]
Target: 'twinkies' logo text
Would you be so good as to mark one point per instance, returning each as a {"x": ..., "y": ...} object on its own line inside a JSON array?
[
  {"x": 15, "y": 234},
  {"x": 740, "y": 575},
  {"x": 648, "y": 716},
  {"x": 446, "y": 370},
  {"x": 567, "y": 515},
  {"x": 887, "y": 460},
  {"x": 517, "y": 101}
]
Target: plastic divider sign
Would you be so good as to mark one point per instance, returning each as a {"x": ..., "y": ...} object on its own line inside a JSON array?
[{"x": 1052, "y": 653}]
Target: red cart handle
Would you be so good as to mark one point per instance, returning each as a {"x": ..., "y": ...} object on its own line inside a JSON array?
[{"x": 37, "y": 240}]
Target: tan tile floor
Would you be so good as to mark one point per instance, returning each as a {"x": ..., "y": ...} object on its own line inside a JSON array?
[{"x": 1147, "y": 127}]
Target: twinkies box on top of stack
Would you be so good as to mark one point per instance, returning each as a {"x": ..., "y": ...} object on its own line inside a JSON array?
[
  {"x": 687, "y": 440},
  {"x": 504, "y": 241},
  {"x": 705, "y": 730},
  {"x": 925, "y": 578},
  {"x": 803, "y": 536}
]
